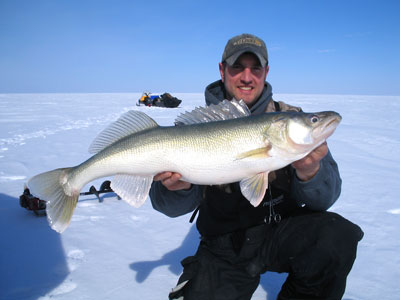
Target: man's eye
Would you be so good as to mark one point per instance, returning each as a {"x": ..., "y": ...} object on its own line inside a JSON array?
[{"x": 237, "y": 67}]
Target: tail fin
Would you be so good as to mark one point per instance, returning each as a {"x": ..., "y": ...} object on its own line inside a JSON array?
[{"x": 60, "y": 206}]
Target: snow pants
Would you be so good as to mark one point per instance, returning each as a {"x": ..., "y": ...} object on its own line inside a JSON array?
[{"x": 316, "y": 249}]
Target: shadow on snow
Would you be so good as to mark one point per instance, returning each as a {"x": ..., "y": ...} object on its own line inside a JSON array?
[{"x": 32, "y": 259}]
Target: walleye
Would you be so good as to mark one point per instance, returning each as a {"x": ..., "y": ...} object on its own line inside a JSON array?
[{"x": 218, "y": 144}]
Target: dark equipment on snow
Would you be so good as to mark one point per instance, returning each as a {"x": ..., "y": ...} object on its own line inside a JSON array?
[
  {"x": 38, "y": 206},
  {"x": 104, "y": 188},
  {"x": 28, "y": 201},
  {"x": 165, "y": 100}
]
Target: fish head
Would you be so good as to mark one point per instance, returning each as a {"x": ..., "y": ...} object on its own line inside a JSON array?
[
  {"x": 294, "y": 134},
  {"x": 312, "y": 129}
]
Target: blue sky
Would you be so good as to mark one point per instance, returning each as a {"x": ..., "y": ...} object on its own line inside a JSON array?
[{"x": 315, "y": 46}]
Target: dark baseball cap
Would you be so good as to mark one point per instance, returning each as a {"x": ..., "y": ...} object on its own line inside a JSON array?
[{"x": 243, "y": 43}]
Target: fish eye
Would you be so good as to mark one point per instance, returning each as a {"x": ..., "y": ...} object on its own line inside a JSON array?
[{"x": 314, "y": 119}]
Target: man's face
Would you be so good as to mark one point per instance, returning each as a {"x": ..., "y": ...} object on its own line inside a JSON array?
[{"x": 245, "y": 79}]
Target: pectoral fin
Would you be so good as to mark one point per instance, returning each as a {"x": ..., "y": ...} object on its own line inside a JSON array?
[
  {"x": 253, "y": 188},
  {"x": 256, "y": 153},
  {"x": 132, "y": 189}
]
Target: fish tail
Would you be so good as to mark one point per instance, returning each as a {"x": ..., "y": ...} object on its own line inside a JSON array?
[{"x": 54, "y": 188}]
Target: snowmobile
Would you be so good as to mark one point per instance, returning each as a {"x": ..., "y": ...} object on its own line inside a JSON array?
[{"x": 164, "y": 100}]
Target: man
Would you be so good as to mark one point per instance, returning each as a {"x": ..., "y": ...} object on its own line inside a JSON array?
[{"x": 290, "y": 231}]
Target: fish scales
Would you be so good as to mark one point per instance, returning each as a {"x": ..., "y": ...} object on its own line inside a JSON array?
[{"x": 182, "y": 149}]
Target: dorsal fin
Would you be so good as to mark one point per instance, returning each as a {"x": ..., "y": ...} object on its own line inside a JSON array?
[
  {"x": 129, "y": 123},
  {"x": 215, "y": 112}
]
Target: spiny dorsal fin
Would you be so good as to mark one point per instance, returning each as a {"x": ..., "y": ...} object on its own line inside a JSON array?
[
  {"x": 215, "y": 112},
  {"x": 131, "y": 122}
]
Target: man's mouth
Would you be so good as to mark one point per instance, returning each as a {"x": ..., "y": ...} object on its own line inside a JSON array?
[{"x": 245, "y": 88}]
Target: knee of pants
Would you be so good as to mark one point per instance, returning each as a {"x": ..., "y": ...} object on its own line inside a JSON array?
[
  {"x": 338, "y": 241},
  {"x": 334, "y": 248},
  {"x": 344, "y": 233}
]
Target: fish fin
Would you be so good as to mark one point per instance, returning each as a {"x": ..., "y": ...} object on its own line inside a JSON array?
[
  {"x": 225, "y": 110},
  {"x": 256, "y": 153},
  {"x": 49, "y": 186},
  {"x": 132, "y": 189},
  {"x": 130, "y": 122},
  {"x": 253, "y": 188}
]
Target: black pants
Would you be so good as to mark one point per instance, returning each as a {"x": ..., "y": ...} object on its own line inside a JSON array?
[{"x": 316, "y": 249}]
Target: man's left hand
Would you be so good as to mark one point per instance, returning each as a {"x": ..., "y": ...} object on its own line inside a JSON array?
[{"x": 308, "y": 166}]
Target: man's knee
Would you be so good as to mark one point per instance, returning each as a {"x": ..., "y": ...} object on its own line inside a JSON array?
[
  {"x": 338, "y": 240},
  {"x": 332, "y": 248},
  {"x": 343, "y": 233}
]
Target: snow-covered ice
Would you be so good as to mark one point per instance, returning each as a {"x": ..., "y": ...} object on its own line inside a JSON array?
[{"x": 114, "y": 251}]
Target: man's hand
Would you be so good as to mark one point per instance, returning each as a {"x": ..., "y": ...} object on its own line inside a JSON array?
[
  {"x": 308, "y": 166},
  {"x": 172, "y": 181}
]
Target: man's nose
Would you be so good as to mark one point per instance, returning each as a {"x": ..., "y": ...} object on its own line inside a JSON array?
[{"x": 246, "y": 75}]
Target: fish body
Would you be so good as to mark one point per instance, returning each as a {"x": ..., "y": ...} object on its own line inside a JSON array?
[
  {"x": 195, "y": 151},
  {"x": 206, "y": 151}
]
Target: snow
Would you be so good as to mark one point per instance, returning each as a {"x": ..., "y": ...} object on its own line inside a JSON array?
[{"x": 114, "y": 251}]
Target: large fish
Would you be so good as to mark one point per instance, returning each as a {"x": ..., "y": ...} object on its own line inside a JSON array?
[{"x": 216, "y": 145}]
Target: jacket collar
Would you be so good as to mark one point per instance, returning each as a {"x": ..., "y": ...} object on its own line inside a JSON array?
[{"x": 215, "y": 93}]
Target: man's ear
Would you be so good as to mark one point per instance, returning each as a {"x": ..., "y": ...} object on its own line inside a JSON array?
[{"x": 222, "y": 71}]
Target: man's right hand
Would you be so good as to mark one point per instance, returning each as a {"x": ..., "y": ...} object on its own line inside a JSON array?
[{"x": 172, "y": 181}]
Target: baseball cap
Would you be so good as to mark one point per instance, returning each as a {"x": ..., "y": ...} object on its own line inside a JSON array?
[{"x": 243, "y": 43}]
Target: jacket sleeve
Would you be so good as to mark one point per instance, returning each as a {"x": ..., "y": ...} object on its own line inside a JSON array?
[
  {"x": 320, "y": 192},
  {"x": 175, "y": 203}
]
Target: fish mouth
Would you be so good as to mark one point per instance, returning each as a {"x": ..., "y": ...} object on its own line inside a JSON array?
[
  {"x": 333, "y": 121},
  {"x": 327, "y": 130}
]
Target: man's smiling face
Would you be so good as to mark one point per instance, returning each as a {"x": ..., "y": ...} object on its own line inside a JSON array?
[{"x": 244, "y": 79}]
